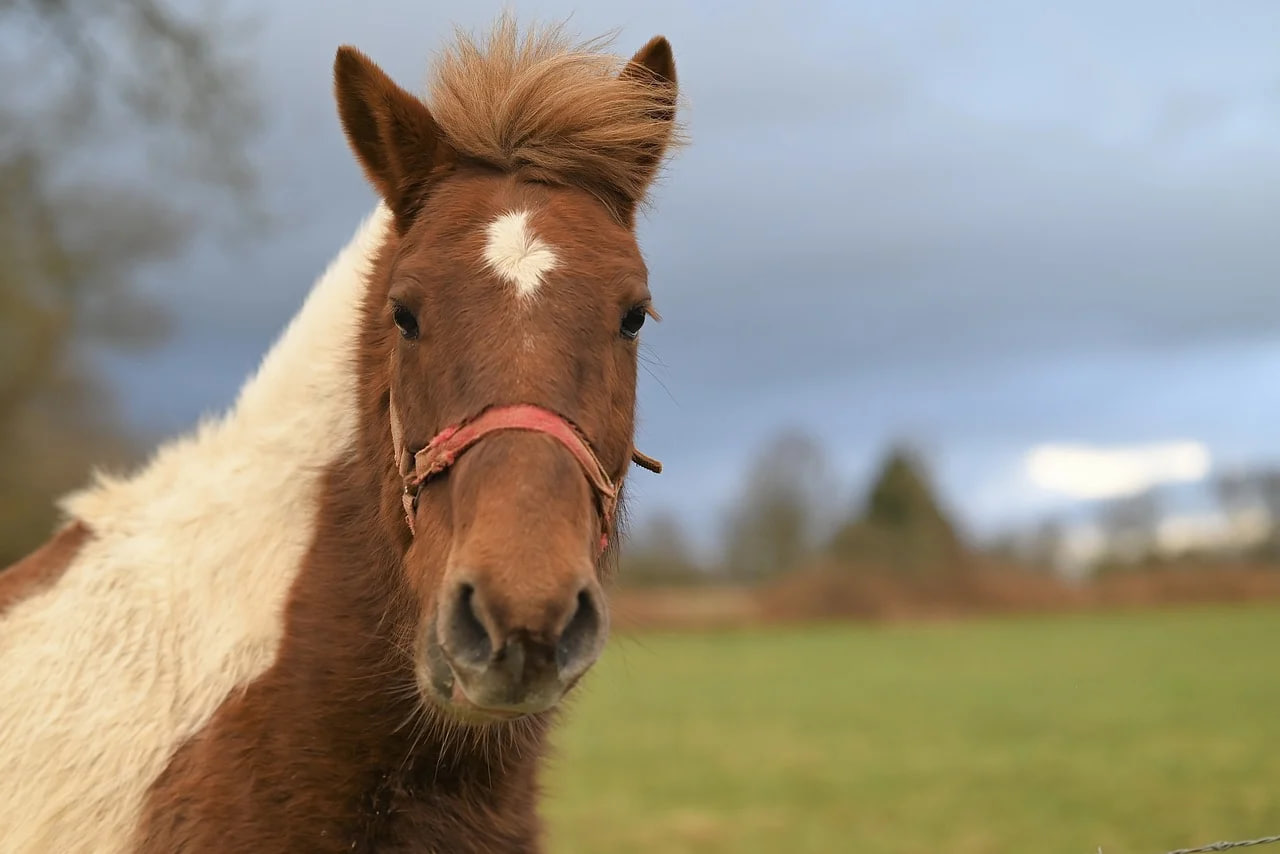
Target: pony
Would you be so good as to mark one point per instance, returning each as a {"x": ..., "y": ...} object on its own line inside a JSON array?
[{"x": 342, "y": 616}]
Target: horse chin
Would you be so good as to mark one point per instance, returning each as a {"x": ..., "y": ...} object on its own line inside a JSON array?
[{"x": 442, "y": 691}]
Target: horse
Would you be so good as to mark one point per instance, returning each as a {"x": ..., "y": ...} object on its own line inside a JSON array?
[{"x": 343, "y": 615}]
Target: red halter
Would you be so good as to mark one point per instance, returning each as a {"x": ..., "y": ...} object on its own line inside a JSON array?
[{"x": 452, "y": 442}]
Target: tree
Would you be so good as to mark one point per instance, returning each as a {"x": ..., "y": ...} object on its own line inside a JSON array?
[
  {"x": 901, "y": 525},
  {"x": 124, "y": 112},
  {"x": 1264, "y": 486},
  {"x": 1130, "y": 526},
  {"x": 1045, "y": 545},
  {"x": 785, "y": 509},
  {"x": 658, "y": 552},
  {"x": 1237, "y": 493}
]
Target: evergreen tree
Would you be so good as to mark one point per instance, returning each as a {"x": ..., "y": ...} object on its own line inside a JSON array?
[{"x": 900, "y": 524}]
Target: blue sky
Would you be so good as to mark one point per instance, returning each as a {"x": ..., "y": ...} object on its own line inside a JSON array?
[{"x": 982, "y": 227}]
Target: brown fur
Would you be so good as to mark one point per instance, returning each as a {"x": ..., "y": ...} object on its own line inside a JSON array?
[
  {"x": 557, "y": 112},
  {"x": 42, "y": 568},
  {"x": 341, "y": 746},
  {"x": 331, "y": 750}
]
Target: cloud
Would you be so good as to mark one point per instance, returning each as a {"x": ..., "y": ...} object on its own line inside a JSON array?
[{"x": 1089, "y": 473}]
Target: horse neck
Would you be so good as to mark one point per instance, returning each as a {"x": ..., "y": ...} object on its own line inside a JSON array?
[
  {"x": 334, "y": 742},
  {"x": 432, "y": 784},
  {"x": 356, "y": 616},
  {"x": 337, "y": 728}
]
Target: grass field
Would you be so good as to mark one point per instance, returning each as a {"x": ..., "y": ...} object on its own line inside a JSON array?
[{"x": 1138, "y": 733}]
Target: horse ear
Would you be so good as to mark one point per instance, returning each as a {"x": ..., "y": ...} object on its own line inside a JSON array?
[
  {"x": 395, "y": 139},
  {"x": 655, "y": 65}
]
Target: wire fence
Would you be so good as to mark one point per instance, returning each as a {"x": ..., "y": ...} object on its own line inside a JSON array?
[{"x": 1223, "y": 846}]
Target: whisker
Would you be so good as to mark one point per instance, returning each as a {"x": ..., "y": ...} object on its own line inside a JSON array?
[{"x": 648, "y": 369}]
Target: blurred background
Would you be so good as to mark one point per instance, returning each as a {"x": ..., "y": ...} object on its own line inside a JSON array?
[{"x": 969, "y": 535}]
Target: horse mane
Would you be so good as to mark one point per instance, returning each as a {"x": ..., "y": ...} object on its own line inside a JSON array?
[{"x": 553, "y": 110}]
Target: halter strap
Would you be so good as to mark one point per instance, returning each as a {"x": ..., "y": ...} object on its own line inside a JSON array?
[{"x": 453, "y": 441}]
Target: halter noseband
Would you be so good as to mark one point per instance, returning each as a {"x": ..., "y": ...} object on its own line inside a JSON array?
[{"x": 453, "y": 441}]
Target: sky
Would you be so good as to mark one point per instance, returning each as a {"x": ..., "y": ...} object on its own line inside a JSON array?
[{"x": 1007, "y": 233}]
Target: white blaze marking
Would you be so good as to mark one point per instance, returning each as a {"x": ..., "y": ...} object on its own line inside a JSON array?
[{"x": 516, "y": 254}]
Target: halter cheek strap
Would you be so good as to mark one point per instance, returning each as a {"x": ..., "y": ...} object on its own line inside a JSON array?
[{"x": 452, "y": 442}]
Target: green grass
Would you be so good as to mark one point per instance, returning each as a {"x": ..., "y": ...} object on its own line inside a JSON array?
[{"x": 1138, "y": 733}]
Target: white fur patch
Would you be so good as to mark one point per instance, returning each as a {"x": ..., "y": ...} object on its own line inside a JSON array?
[
  {"x": 177, "y": 600},
  {"x": 517, "y": 254}
]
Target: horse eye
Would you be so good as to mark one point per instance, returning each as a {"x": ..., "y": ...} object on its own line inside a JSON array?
[
  {"x": 632, "y": 321},
  {"x": 406, "y": 322}
]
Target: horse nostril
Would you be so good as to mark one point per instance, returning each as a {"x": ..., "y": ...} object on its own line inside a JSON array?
[
  {"x": 580, "y": 640},
  {"x": 467, "y": 637}
]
